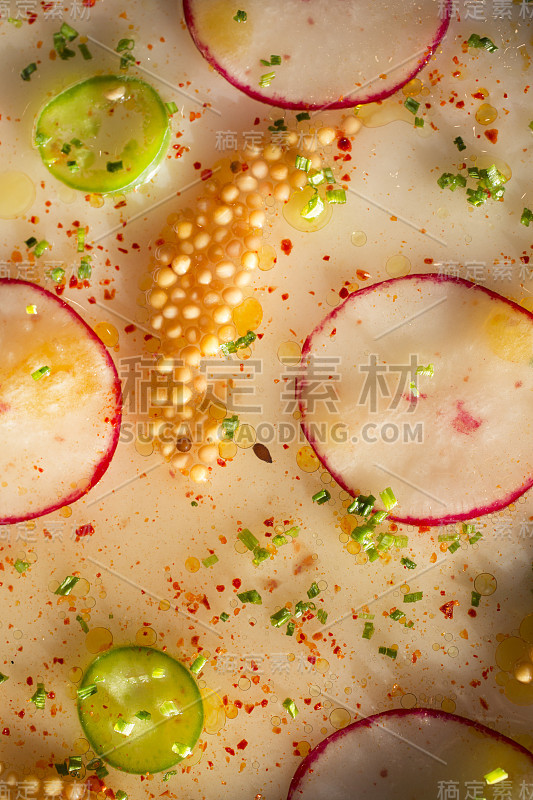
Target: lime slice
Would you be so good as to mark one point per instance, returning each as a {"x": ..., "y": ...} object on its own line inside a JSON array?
[
  {"x": 146, "y": 714},
  {"x": 104, "y": 135}
]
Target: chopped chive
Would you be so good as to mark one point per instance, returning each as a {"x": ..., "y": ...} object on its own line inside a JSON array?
[
  {"x": 412, "y": 105},
  {"x": 260, "y": 554},
  {"x": 125, "y": 44},
  {"x": 377, "y": 518},
  {"x": 407, "y": 563},
  {"x": 74, "y": 764},
  {"x": 85, "y": 269},
  {"x": 290, "y": 629},
  {"x": 3, "y": 678},
  {"x": 401, "y": 541},
  {"x": 372, "y": 553},
  {"x": 301, "y": 162},
  {"x": 76, "y": 142},
  {"x": 114, "y": 166},
  {"x": 81, "y": 240},
  {"x": 158, "y": 673},
  {"x": 414, "y": 389},
  {"x": 476, "y": 197},
  {"x": 144, "y": 715},
  {"x": 170, "y": 774},
  {"x": 531, "y": 125},
  {"x": 168, "y": 708},
  {"x": 280, "y": 617},
  {"x": 385, "y": 541},
  {"x": 313, "y": 590},
  {"x": 458, "y": 141},
  {"x": 101, "y": 772},
  {"x": 198, "y": 664},
  {"x": 322, "y": 615},
  {"x": 67, "y": 32},
  {"x": 336, "y": 196},
  {"x": 17, "y": 23},
  {"x": 474, "y": 172},
  {"x": 39, "y": 696},
  {"x": 455, "y": 545},
  {"x": 275, "y": 60},
  {"x": 251, "y": 596},
  {"x": 40, "y": 247},
  {"x": 67, "y": 585},
  {"x": 397, "y": 614},
  {"x": 181, "y": 749},
  {"x": 279, "y": 540},
  {"x": 57, "y": 274},
  {"x": 266, "y": 79},
  {"x": 127, "y": 60},
  {"x": 30, "y": 242},
  {"x": 66, "y": 148},
  {"x": 328, "y": 174},
  {"x": 361, "y": 534},
  {"x": 86, "y": 53},
  {"x": 476, "y": 537},
  {"x": 73, "y": 166},
  {"x": 60, "y": 46},
  {"x": 316, "y": 177},
  {"x": 495, "y": 776},
  {"x": 28, "y": 71},
  {"x": 224, "y": 617},
  {"x": 83, "y": 624},
  {"x": 293, "y": 532},
  {"x": 120, "y": 795},
  {"x": 476, "y": 597},
  {"x": 313, "y": 208},
  {"x": 321, "y": 497},
  {"x": 240, "y": 16},
  {"x": 264, "y": 62},
  {"x": 248, "y": 539},
  {"x": 171, "y": 108},
  {"x": 388, "y": 499},
  {"x": 388, "y": 651},
  {"x": 61, "y": 769},
  {"x": 290, "y": 706},
  {"x": 482, "y": 42},
  {"x": 210, "y": 560},
  {"x": 21, "y": 566},
  {"x": 413, "y": 597},
  {"x": 230, "y": 425},
  {"x": 40, "y": 373},
  {"x": 451, "y": 181},
  {"x": 300, "y": 608},
  {"x": 527, "y": 217},
  {"x": 448, "y": 537},
  {"x": 368, "y": 631},
  {"x": 87, "y": 691},
  {"x": 305, "y": 115},
  {"x": 419, "y": 122},
  {"x": 428, "y": 371}
]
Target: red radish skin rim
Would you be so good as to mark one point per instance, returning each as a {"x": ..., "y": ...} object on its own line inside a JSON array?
[
  {"x": 299, "y": 383},
  {"x": 105, "y": 461},
  {"x": 348, "y": 102},
  {"x": 421, "y": 713}
]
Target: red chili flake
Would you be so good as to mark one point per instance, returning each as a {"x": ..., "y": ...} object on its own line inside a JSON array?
[
  {"x": 344, "y": 144},
  {"x": 269, "y": 522},
  {"x": 484, "y": 703},
  {"x": 423, "y": 528},
  {"x": 5, "y": 732},
  {"x": 130, "y": 328},
  {"x": 472, "y": 612},
  {"x": 492, "y": 135},
  {"x": 362, "y": 274},
  {"x": 230, "y": 750},
  {"x": 479, "y": 95},
  {"x": 85, "y": 530},
  {"x": 344, "y": 292},
  {"x": 21, "y": 714},
  {"x": 242, "y": 744},
  {"x": 206, "y": 174},
  {"x": 447, "y": 608},
  {"x": 29, "y": 681},
  {"x": 236, "y": 583},
  {"x": 326, "y": 258},
  {"x": 428, "y": 261},
  {"x": 460, "y": 104},
  {"x": 221, "y": 462},
  {"x": 286, "y": 246}
]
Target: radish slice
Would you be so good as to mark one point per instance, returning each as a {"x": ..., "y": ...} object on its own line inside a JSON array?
[
  {"x": 399, "y": 754},
  {"x": 464, "y": 446},
  {"x": 333, "y": 53},
  {"x": 58, "y": 430}
]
